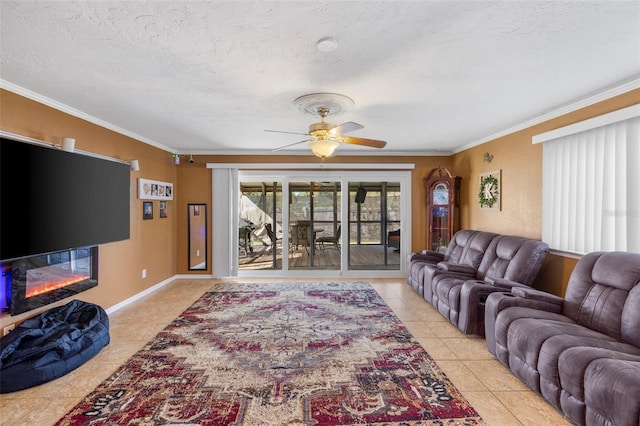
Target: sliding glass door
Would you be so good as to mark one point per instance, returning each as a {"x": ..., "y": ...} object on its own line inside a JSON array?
[
  {"x": 296, "y": 222},
  {"x": 260, "y": 225},
  {"x": 314, "y": 225},
  {"x": 374, "y": 225}
]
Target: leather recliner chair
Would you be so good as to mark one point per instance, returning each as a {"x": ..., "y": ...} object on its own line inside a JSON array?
[
  {"x": 417, "y": 261},
  {"x": 580, "y": 352},
  {"x": 509, "y": 261},
  {"x": 465, "y": 268}
]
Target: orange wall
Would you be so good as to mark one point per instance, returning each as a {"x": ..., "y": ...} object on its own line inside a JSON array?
[
  {"x": 194, "y": 181},
  {"x": 521, "y": 165},
  {"x": 152, "y": 244}
]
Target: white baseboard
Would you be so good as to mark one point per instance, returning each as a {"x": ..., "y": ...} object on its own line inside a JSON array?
[
  {"x": 156, "y": 287},
  {"x": 193, "y": 277},
  {"x": 140, "y": 295}
]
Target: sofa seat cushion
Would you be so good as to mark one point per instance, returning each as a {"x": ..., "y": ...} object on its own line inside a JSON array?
[
  {"x": 562, "y": 361},
  {"x": 446, "y": 296},
  {"x": 574, "y": 361},
  {"x": 433, "y": 274},
  {"x": 415, "y": 273},
  {"x": 573, "y": 336},
  {"x": 544, "y": 351},
  {"x": 504, "y": 322},
  {"x": 612, "y": 392}
]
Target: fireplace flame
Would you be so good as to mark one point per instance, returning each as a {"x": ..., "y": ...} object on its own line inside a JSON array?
[{"x": 54, "y": 285}]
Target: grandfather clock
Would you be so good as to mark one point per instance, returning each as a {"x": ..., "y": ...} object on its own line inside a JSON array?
[{"x": 443, "y": 208}]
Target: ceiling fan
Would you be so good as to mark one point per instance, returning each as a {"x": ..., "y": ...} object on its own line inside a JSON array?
[{"x": 325, "y": 137}]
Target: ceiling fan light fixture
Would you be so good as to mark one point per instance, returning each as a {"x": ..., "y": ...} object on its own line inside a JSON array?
[{"x": 323, "y": 148}]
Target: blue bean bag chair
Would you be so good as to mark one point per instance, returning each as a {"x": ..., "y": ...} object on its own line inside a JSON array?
[{"x": 52, "y": 344}]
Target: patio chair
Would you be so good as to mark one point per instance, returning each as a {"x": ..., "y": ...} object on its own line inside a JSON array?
[
  {"x": 301, "y": 235},
  {"x": 333, "y": 240},
  {"x": 273, "y": 238}
]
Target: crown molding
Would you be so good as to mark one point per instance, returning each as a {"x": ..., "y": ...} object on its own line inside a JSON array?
[
  {"x": 585, "y": 102},
  {"x": 77, "y": 113},
  {"x": 376, "y": 153},
  {"x": 590, "y": 100},
  {"x": 312, "y": 166},
  {"x": 612, "y": 117}
]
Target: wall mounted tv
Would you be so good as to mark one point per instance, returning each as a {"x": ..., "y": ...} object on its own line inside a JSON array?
[{"x": 52, "y": 200}]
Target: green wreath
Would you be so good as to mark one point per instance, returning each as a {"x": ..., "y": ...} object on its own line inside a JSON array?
[{"x": 488, "y": 199}]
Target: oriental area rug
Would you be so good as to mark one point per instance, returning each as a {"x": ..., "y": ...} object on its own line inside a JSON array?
[{"x": 279, "y": 354}]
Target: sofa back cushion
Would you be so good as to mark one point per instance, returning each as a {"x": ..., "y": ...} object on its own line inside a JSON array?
[
  {"x": 603, "y": 294},
  {"x": 457, "y": 245},
  {"x": 513, "y": 258},
  {"x": 475, "y": 249}
]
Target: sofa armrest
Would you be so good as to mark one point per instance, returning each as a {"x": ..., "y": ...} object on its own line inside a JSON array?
[
  {"x": 473, "y": 296},
  {"x": 541, "y": 296},
  {"x": 427, "y": 256},
  {"x": 503, "y": 283},
  {"x": 458, "y": 268},
  {"x": 498, "y": 301}
]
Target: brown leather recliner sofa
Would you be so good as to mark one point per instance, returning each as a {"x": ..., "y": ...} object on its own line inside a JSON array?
[
  {"x": 458, "y": 251},
  {"x": 508, "y": 262},
  {"x": 580, "y": 352},
  {"x": 465, "y": 267},
  {"x": 478, "y": 264}
]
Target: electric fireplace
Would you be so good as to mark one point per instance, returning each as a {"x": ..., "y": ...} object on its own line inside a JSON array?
[{"x": 40, "y": 280}]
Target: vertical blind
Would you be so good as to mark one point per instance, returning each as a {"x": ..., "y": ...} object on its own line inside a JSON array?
[{"x": 591, "y": 189}]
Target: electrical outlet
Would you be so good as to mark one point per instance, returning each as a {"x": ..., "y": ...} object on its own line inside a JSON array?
[
  {"x": 8, "y": 329},
  {"x": 144, "y": 273}
]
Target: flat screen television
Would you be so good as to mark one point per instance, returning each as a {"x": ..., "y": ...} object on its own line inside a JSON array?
[{"x": 52, "y": 200}]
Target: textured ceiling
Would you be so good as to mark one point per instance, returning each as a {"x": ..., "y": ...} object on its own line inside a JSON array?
[{"x": 210, "y": 77}]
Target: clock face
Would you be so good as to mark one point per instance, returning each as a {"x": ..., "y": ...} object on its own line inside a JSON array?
[{"x": 441, "y": 194}]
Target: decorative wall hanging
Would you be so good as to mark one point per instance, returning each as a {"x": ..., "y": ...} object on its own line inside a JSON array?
[
  {"x": 154, "y": 190},
  {"x": 490, "y": 190}
]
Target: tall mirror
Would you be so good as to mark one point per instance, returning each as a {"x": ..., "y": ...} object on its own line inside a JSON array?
[{"x": 197, "y": 215}]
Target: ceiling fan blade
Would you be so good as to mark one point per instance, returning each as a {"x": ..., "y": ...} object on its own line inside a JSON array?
[
  {"x": 365, "y": 142},
  {"x": 291, "y": 133},
  {"x": 347, "y": 127},
  {"x": 287, "y": 146}
]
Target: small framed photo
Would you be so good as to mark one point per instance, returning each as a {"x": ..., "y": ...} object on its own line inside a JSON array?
[
  {"x": 163, "y": 209},
  {"x": 147, "y": 210}
]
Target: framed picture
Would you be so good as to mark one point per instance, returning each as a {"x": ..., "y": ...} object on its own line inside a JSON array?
[
  {"x": 147, "y": 210},
  {"x": 154, "y": 190},
  {"x": 490, "y": 190},
  {"x": 163, "y": 209}
]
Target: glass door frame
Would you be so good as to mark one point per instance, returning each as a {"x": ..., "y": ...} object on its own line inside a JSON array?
[{"x": 344, "y": 178}]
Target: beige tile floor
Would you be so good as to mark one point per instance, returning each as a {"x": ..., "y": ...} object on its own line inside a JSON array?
[{"x": 498, "y": 396}]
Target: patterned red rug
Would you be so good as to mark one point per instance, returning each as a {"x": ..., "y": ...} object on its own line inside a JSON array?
[{"x": 279, "y": 354}]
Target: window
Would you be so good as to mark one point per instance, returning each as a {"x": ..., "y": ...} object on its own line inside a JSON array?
[{"x": 591, "y": 184}]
